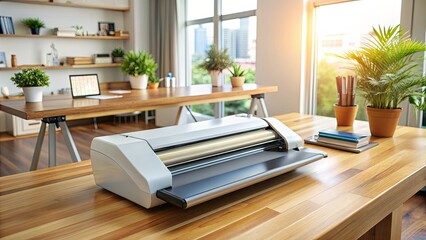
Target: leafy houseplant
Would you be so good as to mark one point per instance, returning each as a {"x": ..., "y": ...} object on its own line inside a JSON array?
[
  {"x": 237, "y": 75},
  {"x": 139, "y": 65},
  {"x": 215, "y": 62},
  {"x": 387, "y": 74},
  {"x": 117, "y": 55},
  {"x": 34, "y": 24},
  {"x": 154, "y": 81},
  {"x": 32, "y": 81}
]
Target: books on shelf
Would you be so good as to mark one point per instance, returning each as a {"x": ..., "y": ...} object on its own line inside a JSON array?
[
  {"x": 6, "y": 25},
  {"x": 346, "y": 139},
  {"x": 79, "y": 60}
]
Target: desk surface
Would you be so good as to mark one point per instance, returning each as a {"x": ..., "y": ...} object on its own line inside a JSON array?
[
  {"x": 145, "y": 99},
  {"x": 339, "y": 197}
]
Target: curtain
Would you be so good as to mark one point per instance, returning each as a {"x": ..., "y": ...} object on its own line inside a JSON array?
[{"x": 164, "y": 36}]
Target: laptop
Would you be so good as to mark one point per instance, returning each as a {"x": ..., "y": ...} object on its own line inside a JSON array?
[{"x": 87, "y": 86}]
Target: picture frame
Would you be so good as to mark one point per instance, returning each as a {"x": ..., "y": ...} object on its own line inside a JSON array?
[
  {"x": 3, "y": 60},
  {"x": 106, "y": 28}
]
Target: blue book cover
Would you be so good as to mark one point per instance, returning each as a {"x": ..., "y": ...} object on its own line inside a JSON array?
[{"x": 348, "y": 136}]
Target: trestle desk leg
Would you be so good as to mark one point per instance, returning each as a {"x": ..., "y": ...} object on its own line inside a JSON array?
[
  {"x": 69, "y": 141},
  {"x": 52, "y": 144},
  {"x": 39, "y": 144}
]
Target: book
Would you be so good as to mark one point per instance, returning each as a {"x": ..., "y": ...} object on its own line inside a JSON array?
[
  {"x": 314, "y": 140},
  {"x": 361, "y": 143},
  {"x": 345, "y": 136}
]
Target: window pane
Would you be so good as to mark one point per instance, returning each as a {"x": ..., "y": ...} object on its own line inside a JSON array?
[
  {"x": 198, "y": 9},
  {"x": 337, "y": 32},
  {"x": 239, "y": 37},
  {"x": 234, "y": 6}
]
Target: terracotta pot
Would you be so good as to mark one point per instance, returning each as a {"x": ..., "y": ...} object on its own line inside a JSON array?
[
  {"x": 153, "y": 85},
  {"x": 237, "y": 81},
  {"x": 345, "y": 115},
  {"x": 383, "y": 122}
]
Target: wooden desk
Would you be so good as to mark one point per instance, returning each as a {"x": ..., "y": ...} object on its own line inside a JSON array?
[
  {"x": 344, "y": 196},
  {"x": 55, "y": 110}
]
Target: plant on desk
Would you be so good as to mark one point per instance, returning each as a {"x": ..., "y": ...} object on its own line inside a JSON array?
[
  {"x": 32, "y": 81},
  {"x": 387, "y": 73},
  {"x": 215, "y": 62},
  {"x": 138, "y": 65},
  {"x": 237, "y": 75},
  {"x": 117, "y": 55},
  {"x": 34, "y": 24},
  {"x": 153, "y": 82}
]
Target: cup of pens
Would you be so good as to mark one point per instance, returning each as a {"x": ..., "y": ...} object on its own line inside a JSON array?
[{"x": 345, "y": 109}]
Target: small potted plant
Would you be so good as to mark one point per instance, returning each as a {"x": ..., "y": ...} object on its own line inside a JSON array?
[
  {"x": 153, "y": 82},
  {"x": 32, "y": 81},
  {"x": 117, "y": 55},
  {"x": 386, "y": 68},
  {"x": 237, "y": 75},
  {"x": 215, "y": 62},
  {"x": 34, "y": 24},
  {"x": 138, "y": 65}
]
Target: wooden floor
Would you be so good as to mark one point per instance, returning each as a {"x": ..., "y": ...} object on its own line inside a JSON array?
[{"x": 16, "y": 153}]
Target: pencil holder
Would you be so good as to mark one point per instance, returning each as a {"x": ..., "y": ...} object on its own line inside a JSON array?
[{"x": 345, "y": 115}]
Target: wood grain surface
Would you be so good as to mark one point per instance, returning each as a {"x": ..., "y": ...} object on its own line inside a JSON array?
[
  {"x": 137, "y": 100},
  {"x": 344, "y": 196}
]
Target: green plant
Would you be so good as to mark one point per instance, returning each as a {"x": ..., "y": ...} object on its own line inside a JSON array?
[
  {"x": 117, "y": 52},
  {"x": 237, "y": 71},
  {"x": 138, "y": 63},
  {"x": 216, "y": 59},
  {"x": 386, "y": 69},
  {"x": 30, "y": 77},
  {"x": 33, "y": 23},
  {"x": 154, "y": 79}
]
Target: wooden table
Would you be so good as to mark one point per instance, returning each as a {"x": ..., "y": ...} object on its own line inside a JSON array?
[
  {"x": 344, "y": 196},
  {"x": 55, "y": 110}
]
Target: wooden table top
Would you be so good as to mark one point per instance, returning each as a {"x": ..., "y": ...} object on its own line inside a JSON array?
[
  {"x": 137, "y": 100},
  {"x": 339, "y": 197}
]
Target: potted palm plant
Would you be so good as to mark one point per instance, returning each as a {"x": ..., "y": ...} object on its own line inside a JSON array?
[
  {"x": 34, "y": 24},
  {"x": 215, "y": 62},
  {"x": 237, "y": 75},
  {"x": 386, "y": 68},
  {"x": 138, "y": 65},
  {"x": 32, "y": 81},
  {"x": 117, "y": 55}
]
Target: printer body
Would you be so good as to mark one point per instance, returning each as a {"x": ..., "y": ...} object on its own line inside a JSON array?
[{"x": 186, "y": 165}]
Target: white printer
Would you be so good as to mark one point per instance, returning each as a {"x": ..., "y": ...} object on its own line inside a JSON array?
[{"x": 189, "y": 164}]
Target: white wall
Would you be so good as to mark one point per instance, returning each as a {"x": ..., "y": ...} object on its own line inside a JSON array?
[{"x": 279, "y": 53}]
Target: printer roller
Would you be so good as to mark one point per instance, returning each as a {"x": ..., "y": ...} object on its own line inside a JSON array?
[{"x": 216, "y": 146}]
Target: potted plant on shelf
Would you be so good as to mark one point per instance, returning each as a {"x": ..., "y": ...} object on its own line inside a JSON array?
[
  {"x": 215, "y": 62},
  {"x": 34, "y": 24},
  {"x": 117, "y": 55},
  {"x": 237, "y": 75},
  {"x": 153, "y": 82},
  {"x": 138, "y": 65},
  {"x": 32, "y": 81},
  {"x": 386, "y": 68}
]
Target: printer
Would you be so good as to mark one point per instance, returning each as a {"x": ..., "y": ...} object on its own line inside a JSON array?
[{"x": 186, "y": 165}]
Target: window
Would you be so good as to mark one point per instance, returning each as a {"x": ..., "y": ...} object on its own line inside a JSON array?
[
  {"x": 234, "y": 29},
  {"x": 341, "y": 27}
]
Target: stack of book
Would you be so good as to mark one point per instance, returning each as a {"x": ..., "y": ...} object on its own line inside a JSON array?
[
  {"x": 341, "y": 138},
  {"x": 79, "y": 60}
]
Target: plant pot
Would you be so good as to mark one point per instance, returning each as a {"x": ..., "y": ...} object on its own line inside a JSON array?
[
  {"x": 345, "y": 115},
  {"x": 216, "y": 77},
  {"x": 117, "y": 59},
  {"x": 237, "y": 81},
  {"x": 139, "y": 82},
  {"x": 33, "y": 94},
  {"x": 35, "y": 31},
  {"x": 153, "y": 85},
  {"x": 383, "y": 122}
]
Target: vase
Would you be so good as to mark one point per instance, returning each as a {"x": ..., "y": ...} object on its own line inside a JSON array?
[
  {"x": 237, "y": 81},
  {"x": 216, "y": 77},
  {"x": 139, "y": 82},
  {"x": 383, "y": 122},
  {"x": 33, "y": 94},
  {"x": 345, "y": 115},
  {"x": 153, "y": 85}
]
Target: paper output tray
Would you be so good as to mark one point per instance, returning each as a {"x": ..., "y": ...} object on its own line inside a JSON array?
[{"x": 263, "y": 166}]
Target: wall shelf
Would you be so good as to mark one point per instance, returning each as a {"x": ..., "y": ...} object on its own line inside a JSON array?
[
  {"x": 105, "y": 65},
  {"x": 73, "y": 37},
  {"x": 76, "y": 5}
]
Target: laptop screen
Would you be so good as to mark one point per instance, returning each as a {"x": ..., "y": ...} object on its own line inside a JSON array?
[{"x": 84, "y": 85}]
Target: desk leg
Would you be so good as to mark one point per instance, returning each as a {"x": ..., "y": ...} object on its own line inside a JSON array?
[
  {"x": 263, "y": 106},
  {"x": 390, "y": 228},
  {"x": 52, "y": 145},
  {"x": 39, "y": 144},
  {"x": 69, "y": 141},
  {"x": 261, "y": 98}
]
